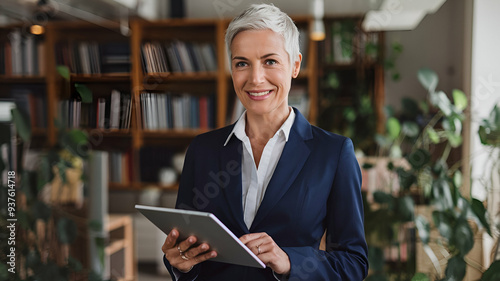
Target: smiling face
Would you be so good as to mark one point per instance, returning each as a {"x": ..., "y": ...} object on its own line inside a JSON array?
[{"x": 261, "y": 71}]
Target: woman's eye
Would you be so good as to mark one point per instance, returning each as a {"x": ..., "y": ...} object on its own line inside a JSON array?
[
  {"x": 240, "y": 64},
  {"x": 271, "y": 62}
]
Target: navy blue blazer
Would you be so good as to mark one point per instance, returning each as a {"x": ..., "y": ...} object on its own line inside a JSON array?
[{"x": 315, "y": 187}]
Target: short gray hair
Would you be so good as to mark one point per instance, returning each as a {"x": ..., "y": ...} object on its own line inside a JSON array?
[{"x": 265, "y": 16}]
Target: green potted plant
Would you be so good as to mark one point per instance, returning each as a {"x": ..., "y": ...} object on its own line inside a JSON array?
[{"x": 424, "y": 135}]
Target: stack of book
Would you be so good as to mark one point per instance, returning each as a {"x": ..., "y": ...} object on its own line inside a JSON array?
[
  {"x": 94, "y": 58},
  {"x": 111, "y": 112},
  {"x": 120, "y": 167},
  {"x": 178, "y": 57},
  {"x": 22, "y": 54},
  {"x": 33, "y": 104},
  {"x": 163, "y": 111}
]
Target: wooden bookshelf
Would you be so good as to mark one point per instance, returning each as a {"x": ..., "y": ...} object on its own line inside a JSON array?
[{"x": 62, "y": 39}]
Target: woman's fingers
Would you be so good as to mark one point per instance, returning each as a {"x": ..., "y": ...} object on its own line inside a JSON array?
[
  {"x": 170, "y": 241},
  {"x": 256, "y": 241},
  {"x": 200, "y": 254},
  {"x": 186, "y": 244},
  {"x": 184, "y": 255},
  {"x": 268, "y": 251}
]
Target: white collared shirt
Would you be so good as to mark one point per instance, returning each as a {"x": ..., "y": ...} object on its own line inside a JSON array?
[{"x": 255, "y": 180}]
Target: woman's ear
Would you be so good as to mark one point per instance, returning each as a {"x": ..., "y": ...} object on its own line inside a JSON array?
[{"x": 296, "y": 67}]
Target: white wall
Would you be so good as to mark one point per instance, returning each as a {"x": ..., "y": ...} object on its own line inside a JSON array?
[
  {"x": 485, "y": 87},
  {"x": 437, "y": 43}
]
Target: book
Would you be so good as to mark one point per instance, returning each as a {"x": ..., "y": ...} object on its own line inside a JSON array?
[
  {"x": 114, "y": 119},
  {"x": 101, "y": 113}
]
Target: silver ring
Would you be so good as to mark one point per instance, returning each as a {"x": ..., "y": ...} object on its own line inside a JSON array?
[
  {"x": 179, "y": 249},
  {"x": 258, "y": 249},
  {"x": 184, "y": 257}
]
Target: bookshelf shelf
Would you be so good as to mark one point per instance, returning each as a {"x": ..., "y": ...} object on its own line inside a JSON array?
[
  {"x": 24, "y": 79},
  {"x": 121, "y": 133},
  {"x": 123, "y": 186},
  {"x": 101, "y": 78},
  {"x": 151, "y": 78},
  {"x": 177, "y": 134},
  {"x": 160, "y": 186}
]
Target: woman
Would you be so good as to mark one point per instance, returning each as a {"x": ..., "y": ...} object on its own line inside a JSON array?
[{"x": 281, "y": 182}]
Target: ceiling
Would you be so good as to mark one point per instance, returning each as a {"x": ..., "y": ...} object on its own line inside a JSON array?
[{"x": 380, "y": 14}]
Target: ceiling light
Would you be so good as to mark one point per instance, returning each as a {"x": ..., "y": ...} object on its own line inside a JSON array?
[
  {"x": 37, "y": 29},
  {"x": 318, "y": 28},
  {"x": 318, "y": 31}
]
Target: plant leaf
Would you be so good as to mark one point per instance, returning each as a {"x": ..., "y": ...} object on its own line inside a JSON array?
[
  {"x": 433, "y": 136},
  {"x": 389, "y": 111},
  {"x": 382, "y": 141},
  {"x": 463, "y": 238},
  {"x": 419, "y": 158},
  {"x": 384, "y": 198},
  {"x": 100, "y": 243},
  {"x": 75, "y": 141},
  {"x": 84, "y": 92},
  {"x": 454, "y": 139},
  {"x": 420, "y": 277},
  {"x": 393, "y": 127},
  {"x": 455, "y": 270},
  {"x": 406, "y": 208},
  {"x": 410, "y": 108},
  {"x": 64, "y": 72},
  {"x": 444, "y": 223},
  {"x": 411, "y": 129},
  {"x": 406, "y": 179},
  {"x": 23, "y": 125},
  {"x": 493, "y": 272},
  {"x": 424, "y": 107},
  {"x": 459, "y": 99},
  {"x": 395, "y": 152},
  {"x": 480, "y": 211},
  {"x": 457, "y": 179},
  {"x": 423, "y": 228},
  {"x": 442, "y": 194},
  {"x": 428, "y": 79},
  {"x": 441, "y": 100}
]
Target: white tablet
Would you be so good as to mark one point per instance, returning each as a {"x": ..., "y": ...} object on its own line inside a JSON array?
[{"x": 207, "y": 228}]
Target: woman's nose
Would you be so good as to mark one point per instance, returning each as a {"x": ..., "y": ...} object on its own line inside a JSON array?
[{"x": 257, "y": 75}]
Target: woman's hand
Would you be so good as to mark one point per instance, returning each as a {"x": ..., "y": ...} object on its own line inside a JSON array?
[
  {"x": 182, "y": 255},
  {"x": 268, "y": 251}
]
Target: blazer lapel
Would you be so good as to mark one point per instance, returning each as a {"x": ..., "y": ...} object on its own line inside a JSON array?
[
  {"x": 231, "y": 153},
  {"x": 293, "y": 157}
]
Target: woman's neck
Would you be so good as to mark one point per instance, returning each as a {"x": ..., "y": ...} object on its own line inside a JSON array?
[{"x": 263, "y": 127}]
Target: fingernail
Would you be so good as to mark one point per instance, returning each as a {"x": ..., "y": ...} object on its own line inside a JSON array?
[
  {"x": 190, "y": 240},
  {"x": 213, "y": 255},
  {"x": 204, "y": 247}
]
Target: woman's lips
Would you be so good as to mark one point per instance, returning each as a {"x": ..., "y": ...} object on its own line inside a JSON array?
[{"x": 259, "y": 95}]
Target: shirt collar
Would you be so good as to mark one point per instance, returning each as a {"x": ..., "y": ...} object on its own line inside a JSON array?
[{"x": 239, "y": 128}]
